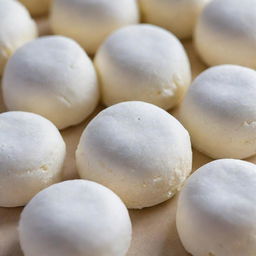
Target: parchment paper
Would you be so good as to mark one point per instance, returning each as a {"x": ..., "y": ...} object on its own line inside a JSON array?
[{"x": 154, "y": 230}]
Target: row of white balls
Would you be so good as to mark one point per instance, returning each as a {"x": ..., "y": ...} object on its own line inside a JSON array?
[
  {"x": 53, "y": 77},
  {"x": 144, "y": 155},
  {"x": 138, "y": 150},
  {"x": 224, "y": 30},
  {"x": 84, "y": 218},
  {"x": 215, "y": 216},
  {"x": 134, "y": 148},
  {"x": 141, "y": 153},
  {"x": 120, "y": 13}
]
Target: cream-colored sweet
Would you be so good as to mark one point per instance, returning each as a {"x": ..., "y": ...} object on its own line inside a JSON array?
[
  {"x": 16, "y": 28},
  {"x": 144, "y": 63},
  {"x": 32, "y": 153},
  {"x": 89, "y": 22},
  {"x": 216, "y": 213},
  {"x": 177, "y": 16},
  {"x": 219, "y": 111},
  {"x": 78, "y": 218},
  {"x": 37, "y": 7},
  {"x": 138, "y": 150},
  {"x": 225, "y": 33},
  {"x": 51, "y": 76}
]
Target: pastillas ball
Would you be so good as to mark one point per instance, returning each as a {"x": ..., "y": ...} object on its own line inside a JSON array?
[
  {"x": 138, "y": 150},
  {"x": 143, "y": 63},
  {"x": 75, "y": 218},
  {"x": 52, "y": 76}
]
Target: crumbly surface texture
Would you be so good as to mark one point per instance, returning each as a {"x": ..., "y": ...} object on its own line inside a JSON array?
[
  {"x": 32, "y": 153},
  {"x": 217, "y": 209},
  {"x": 143, "y": 63},
  {"x": 138, "y": 150},
  {"x": 78, "y": 218},
  {"x": 219, "y": 111},
  {"x": 225, "y": 33},
  {"x": 52, "y": 76}
]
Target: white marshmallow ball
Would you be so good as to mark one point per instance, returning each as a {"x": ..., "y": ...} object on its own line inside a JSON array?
[
  {"x": 78, "y": 218},
  {"x": 52, "y": 76},
  {"x": 219, "y": 111},
  {"x": 177, "y": 16},
  {"x": 16, "y": 28},
  {"x": 89, "y": 22},
  {"x": 216, "y": 212},
  {"x": 138, "y": 150},
  {"x": 144, "y": 63},
  {"x": 225, "y": 33},
  {"x": 32, "y": 153},
  {"x": 37, "y": 7}
]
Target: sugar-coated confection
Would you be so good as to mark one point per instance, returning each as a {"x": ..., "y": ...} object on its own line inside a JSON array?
[
  {"x": 16, "y": 29},
  {"x": 52, "y": 76},
  {"x": 138, "y": 150},
  {"x": 75, "y": 218},
  {"x": 216, "y": 213},
  {"x": 89, "y": 22},
  {"x": 219, "y": 111},
  {"x": 225, "y": 33},
  {"x": 32, "y": 154},
  {"x": 144, "y": 63}
]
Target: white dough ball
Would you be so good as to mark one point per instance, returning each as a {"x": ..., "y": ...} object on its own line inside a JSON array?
[
  {"x": 177, "y": 16},
  {"x": 225, "y": 33},
  {"x": 138, "y": 150},
  {"x": 32, "y": 153},
  {"x": 89, "y": 22},
  {"x": 37, "y": 7},
  {"x": 16, "y": 28},
  {"x": 144, "y": 63},
  {"x": 219, "y": 111},
  {"x": 78, "y": 218},
  {"x": 52, "y": 76},
  {"x": 216, "y": 212}
]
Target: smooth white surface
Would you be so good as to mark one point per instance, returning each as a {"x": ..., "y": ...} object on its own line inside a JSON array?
[
  {"x": 78, "y": 218},
  {"x": 219, "y": 111},
  {"x": 138, "y": 150},
  {"x": 89, "y": 22},
  {"x": 226, "y": 33},
  {"x": 16, "y": 28},
  {"x": 178, "y": 16},
  {"x": 32, "y": 153},
  {"x": 216, "y": 212},
  {"x": 144, "y": 63},
  {"x": 52, "y": 76},
  {"x": 37, "y": 7}
]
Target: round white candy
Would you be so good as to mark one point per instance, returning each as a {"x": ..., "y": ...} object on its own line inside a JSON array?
[
  {"x": 75, "y": 218},
  {"x": 138, "y": 150},
  {"x": 225, "y": 33},
  {"x": 217, "y": 210},
  {"x": 32, "y": 153},
  {"x": 177, "y": 16},
  {"x": 16, "y": 28},
  {"x": 219, "y": 111},
  {"x": 90, "y": 21},
  {"x": 144, "y": 63},
  {"x": 37, "y": 7},
  {"x": 51, "y": 76}
]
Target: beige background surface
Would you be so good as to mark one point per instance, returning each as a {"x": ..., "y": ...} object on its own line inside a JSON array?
[{"x": 154, "y": 230}]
